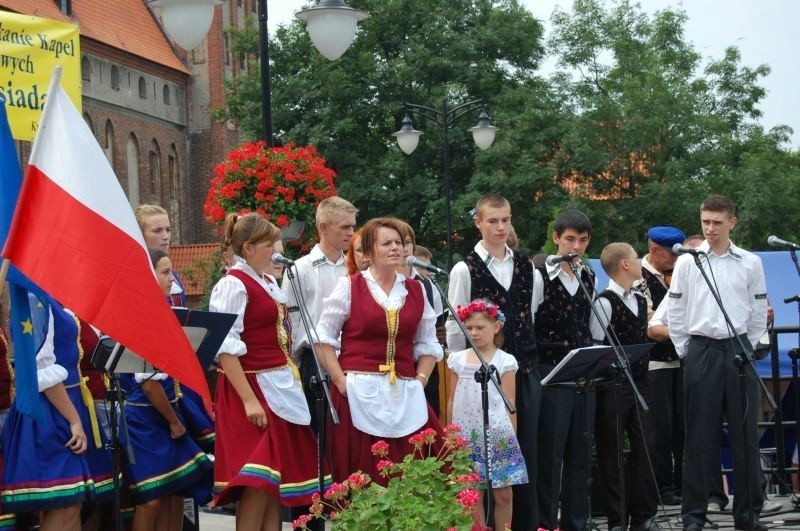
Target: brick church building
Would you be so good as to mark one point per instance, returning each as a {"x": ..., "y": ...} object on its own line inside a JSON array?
[{"x": 148, "y": 101}]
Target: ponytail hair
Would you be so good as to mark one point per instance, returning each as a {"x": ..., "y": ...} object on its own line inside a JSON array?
[{"x": 250, "y": 228}]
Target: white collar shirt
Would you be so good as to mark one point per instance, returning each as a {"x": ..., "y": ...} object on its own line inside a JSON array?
[
  {"x": 315, "y": 277},
  {"x": 692, "y": 310},
  {"x": 603, "y": 307},
  {"x": 570, "y": 282}
]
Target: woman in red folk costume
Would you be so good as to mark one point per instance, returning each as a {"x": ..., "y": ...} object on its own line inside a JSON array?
[
  {"x": 387, "y": 351},
  {"x": 263, "y": 433}
]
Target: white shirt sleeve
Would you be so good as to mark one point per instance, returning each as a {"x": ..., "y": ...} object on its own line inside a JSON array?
[
  {"x": 336, "y": 309},
  {"x": 230, "y": 296},
  {"x": 676, "y": 310},
  {"x": 302, "y": 273},
  {"x": 48, "y": 372},
  {"x": 598, "y": 328},
  {"x": 538, "y": 292},
  {"x": 659, "y": 317},
  {"x": 425, "y": 342},
  {"x": 458, "y": 294},
  {"x": 756, "y": 293}
]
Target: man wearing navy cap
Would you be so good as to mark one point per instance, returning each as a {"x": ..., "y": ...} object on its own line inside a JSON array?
[{"x": 666, "y": 377}]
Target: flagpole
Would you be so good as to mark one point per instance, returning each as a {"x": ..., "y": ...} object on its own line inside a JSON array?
[{"x": 3, "y": 273}]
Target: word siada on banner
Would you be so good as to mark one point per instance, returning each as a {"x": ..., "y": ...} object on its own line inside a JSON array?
[{"x": 30, "y": 48}]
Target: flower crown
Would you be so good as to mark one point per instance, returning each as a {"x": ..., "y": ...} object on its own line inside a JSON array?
[{"x": 492, "y": 310}]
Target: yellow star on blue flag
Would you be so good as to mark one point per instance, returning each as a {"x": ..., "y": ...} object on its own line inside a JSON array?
[{"x": 27, "y": 326}]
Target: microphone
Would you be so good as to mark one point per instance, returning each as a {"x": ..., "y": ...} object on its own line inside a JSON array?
[
  {"x": 413, "y": 261},
  {"x": 682, "y": 249},
  {"x": 279, "y": 259},
  {"x": 774, "y": 241},
  {"x": 555, "y": 259},
  {"x": 795, "y": 298}
]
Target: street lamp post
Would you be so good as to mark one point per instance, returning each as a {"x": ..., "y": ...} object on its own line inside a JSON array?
[
  {"x": 482, "y": 133},
  {"x": 331, "y": 26}
]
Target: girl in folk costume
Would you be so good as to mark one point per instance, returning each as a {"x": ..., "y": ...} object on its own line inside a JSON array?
[
  {"x": 387, "y": 351},
  {"x": 168, "y": 464},
  {"x": 155, "y": 226},
  {"x": 50, "y": 465},
  {"x": 264, "y": 442},
  {"x": 7, "y": 521},
  {"x": 484, "y": 322}
]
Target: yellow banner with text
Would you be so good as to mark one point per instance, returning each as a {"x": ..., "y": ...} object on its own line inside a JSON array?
[{"x": 30, "y": 48}]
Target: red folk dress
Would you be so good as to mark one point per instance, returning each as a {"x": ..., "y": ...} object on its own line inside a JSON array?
[
  {"x": 378, "y": 344},
  {"x": 275, "y": 458}
]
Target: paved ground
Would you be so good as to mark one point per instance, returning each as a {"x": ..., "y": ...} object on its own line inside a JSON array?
[{"x": 786, "y": 519}]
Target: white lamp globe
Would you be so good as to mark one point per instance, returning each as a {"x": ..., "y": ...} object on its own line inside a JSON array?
[
  {"x": 331, "y": 26},
  {"x": 187, "y": 21},
  {"x": 483, "y": 133},
  {"x": 407, "y": 137}
]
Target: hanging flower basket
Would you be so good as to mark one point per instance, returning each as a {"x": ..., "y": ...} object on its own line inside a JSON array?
[{"x": 283, "y": 184}]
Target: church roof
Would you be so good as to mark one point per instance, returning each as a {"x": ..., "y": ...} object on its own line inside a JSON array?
[{"x": 126, "y": 25}]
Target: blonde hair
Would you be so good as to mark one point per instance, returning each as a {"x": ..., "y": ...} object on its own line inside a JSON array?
[
  {"x": 250, "y": 228},
  {"x": 613, "y": 254},
  {"x": 145, "y": 211},
  {"x": 490, "y": 201},
  {"x": 329, "y": 207}
]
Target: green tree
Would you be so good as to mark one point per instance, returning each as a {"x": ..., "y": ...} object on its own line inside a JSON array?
[
  {"x": 417, "y": 51},
  {"x": 632, "y": 126},
  {"x": 653, "y": 131}
]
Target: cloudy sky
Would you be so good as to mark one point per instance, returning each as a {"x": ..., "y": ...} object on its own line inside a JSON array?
[{"x": 765, "y": 31}]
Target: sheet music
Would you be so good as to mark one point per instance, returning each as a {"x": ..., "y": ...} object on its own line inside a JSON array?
[{"x": 566, "y": 360}]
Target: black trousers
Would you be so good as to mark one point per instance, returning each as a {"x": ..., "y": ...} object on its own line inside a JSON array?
[
  {"x": 564, "y": 465},
  {"x": 666, "y": 406},
  {"x": 308, "y": 370},
  {"x": 525, "y": 516},
  {"x": 711, "y": 391},
  {"x": 617, "y": 403}
]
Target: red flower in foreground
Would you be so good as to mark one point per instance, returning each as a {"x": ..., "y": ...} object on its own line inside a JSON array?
[
  {"x": 301, "y": 522},
  {"x": 357, "y": 480},
  {"x": 468, "y": 498},
  {"x": 380, "y": 449},
  {"x": 384, "y": 466},
  {"x": 336, "y": 491}
]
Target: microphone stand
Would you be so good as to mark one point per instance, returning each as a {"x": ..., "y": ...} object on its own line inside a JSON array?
[
  {"x": 743, "y": 361},
  {"x": 116, "y": 399},
  {"x": 793, "y": 252},
  {"x": 483, "y": 375},
  {"x": 321, "y": 381},
  {"x": 622, "y": 369}
]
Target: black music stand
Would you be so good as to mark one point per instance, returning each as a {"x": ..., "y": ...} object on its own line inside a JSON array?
[
  {"x": 580, "y": 370},
  {"x": 205, "y": 330}
]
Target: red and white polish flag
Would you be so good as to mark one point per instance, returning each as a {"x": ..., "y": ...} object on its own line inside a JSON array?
[{"x": 75, "y": 235}]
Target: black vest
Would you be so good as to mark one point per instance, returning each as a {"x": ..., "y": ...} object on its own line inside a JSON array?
[
  {"x": 514, "y": 302},
  {"x": 665, "y": 350},
  {"x": 562, "y": 320},
  {"x": 630, "y": 329}
]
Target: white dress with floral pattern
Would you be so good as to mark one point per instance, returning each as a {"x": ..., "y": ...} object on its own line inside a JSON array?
[{"x": 506, "y": 463}]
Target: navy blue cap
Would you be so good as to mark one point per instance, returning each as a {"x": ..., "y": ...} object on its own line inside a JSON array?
[{"x": 666, "y": 236}]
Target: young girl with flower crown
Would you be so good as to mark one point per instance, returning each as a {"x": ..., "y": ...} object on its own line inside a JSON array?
[{"x": 484, "y": 322}]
